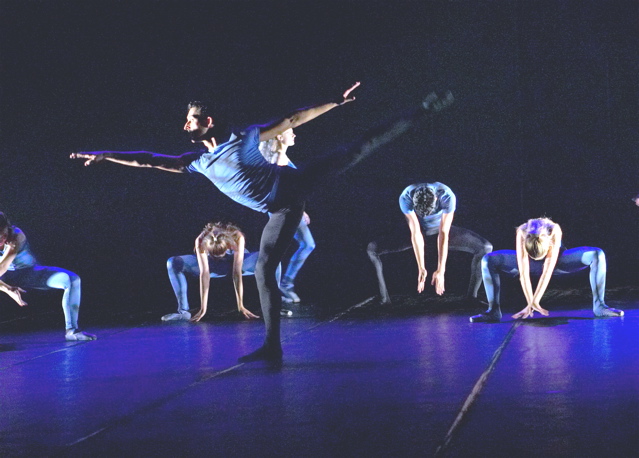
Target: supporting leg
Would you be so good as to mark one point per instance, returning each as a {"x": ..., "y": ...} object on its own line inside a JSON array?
[
  {"x": 306, "y": 245},
  {"x": 579, "y": 258},
  {"x": 492, "y": 266},
  {"x": 374, "y": 251},
  {"x": 178, "y": 267},
  {"x": 468, "y": 241},
  {"x": 276, "y": 237}
]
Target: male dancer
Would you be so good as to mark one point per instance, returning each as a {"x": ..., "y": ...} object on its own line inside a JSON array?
[
  {"x": 429, "y": 209},
  {"x": 238, "y": 169}
]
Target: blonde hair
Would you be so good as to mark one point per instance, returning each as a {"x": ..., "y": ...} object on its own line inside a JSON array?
[
  {"x": 218, "y": 238},
  {"x": 537, "y": 239},
  {"x": 268, "y": 148}
]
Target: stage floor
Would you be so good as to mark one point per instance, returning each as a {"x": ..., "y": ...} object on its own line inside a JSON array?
[{"x": 412, "y": 379}]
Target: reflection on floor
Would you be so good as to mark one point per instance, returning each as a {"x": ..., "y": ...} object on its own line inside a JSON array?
[{"x": 414, "y": 378}]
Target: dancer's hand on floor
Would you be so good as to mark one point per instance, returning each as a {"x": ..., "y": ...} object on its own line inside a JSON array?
[
  {"x": 530, "y": 310},
  {"x": 198, "y": 316},
  {"x": 247, "y": 313}
]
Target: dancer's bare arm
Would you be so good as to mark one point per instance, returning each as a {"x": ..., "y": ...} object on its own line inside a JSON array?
[
  {"x": 205, "y": 279},
  {"x": 139, "y": 159},
  {"x": 303, "y": 115},
  {"x": 533, "y": 299},
  {"x": 11, "y": 249},
  {"x": 442, "y": 252},
  {"x": 417, "y": 239},
  {"x": 238, "y": 260}
]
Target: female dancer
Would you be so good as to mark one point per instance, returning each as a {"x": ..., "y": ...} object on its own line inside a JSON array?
[
  {"x": 219, "y": 249},
  {"x": 19, "y": 269},
  {"x": 274, "y": 151},
  {"x": 539, "y": 251}
]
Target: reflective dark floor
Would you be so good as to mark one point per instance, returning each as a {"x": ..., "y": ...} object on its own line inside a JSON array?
[{"x": 412, "y": 379}]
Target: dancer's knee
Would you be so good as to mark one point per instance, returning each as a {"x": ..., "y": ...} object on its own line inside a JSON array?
[
  {"x": 175, "y": 264},
  {"x": 307, "y": 246}
]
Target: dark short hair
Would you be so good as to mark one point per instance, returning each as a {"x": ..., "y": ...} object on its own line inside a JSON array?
[
  {"x": 4, "y": 221},
  {"x": 424, "y": 200},
  {"x": 202, "y": 108}
]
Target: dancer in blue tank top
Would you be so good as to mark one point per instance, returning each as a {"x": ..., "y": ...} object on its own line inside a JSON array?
[
  {"x": 429, "y": 209},
  {"x": 238, "y": 169},
  {"x": 19, "y": 269}
]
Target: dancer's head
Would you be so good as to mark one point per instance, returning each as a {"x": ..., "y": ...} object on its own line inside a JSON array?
[
  {"x": 6, "y": 230},
  {"x": 271, "y": 148},
  {"x": 636, "y": 200},
  {"x": 218, "y": 238},
  {"x": 199, "y": 122},
  {"x": 424, "y": 200},
  {"x": 537, "y": 240}
]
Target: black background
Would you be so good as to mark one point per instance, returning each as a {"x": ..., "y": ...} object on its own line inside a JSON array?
[{"x": 545, "y": 123}]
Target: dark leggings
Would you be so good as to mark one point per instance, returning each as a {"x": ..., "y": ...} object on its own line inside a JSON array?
[
  {"x": 287, "y": 207},
  {"x": 460, "y": 239}
]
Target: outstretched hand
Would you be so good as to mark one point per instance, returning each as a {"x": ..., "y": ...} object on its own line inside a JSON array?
[
  {"x": 529, "y": 311},
  {"x": 91, "y": 158},
  {"x": 346, "y": 94}
]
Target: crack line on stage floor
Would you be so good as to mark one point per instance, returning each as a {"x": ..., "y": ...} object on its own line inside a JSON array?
[
  {"x": 175, "y": 394},
  {"x": 477, "y": 388}
]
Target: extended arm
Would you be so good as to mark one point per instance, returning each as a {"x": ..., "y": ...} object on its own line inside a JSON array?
[
  {"x": 442, "y": 256},
  {"x": 549, "y": 264},
  {"x": 139, "y": 159},
  {"x": 523, "y": 263},
  {"x": 302, "y": 116},
  {"x": 205, "y": 279},
  {"x": 13, "y": 292},
  {"x": 238, "y": 260},
  {"x": 417, "y": 239}
]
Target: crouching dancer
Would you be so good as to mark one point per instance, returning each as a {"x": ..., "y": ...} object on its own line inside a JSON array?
[
  {"x": 19, "y": 269},
  {"x": 219, "y": 250},
  {"x": 539, "y": 252},
  {"x": 429, "y": 209}
]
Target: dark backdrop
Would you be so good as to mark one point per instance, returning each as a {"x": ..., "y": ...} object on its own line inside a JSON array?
[{"x": 545, "y": 123}]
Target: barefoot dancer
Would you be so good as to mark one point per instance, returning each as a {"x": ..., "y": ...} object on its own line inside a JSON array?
[{"x": 539, "y": 251}]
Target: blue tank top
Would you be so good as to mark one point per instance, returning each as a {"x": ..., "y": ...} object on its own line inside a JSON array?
[
  {"x": 24, "y": 258},
  {"x": 238, "y": 169},
  {"x": 446, "y": 203}
]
